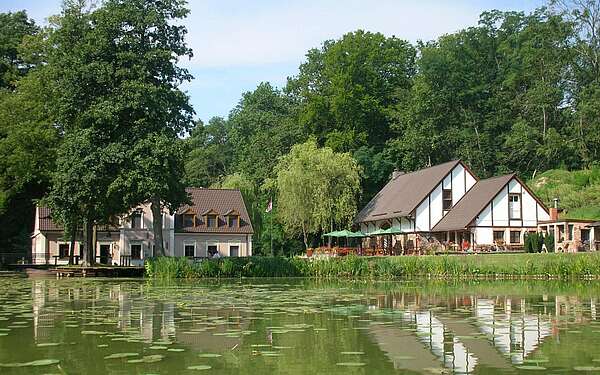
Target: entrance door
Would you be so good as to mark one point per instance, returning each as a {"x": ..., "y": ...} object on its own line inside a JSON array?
[{"x": 104, "y": 254}]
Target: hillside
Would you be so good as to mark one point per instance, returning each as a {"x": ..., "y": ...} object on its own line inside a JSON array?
[{"x": 578, "y": 191}]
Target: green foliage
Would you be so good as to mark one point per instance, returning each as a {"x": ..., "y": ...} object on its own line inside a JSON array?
[
  {"x": 533, "y": 242},
  {"x": 549, "y": 241},
  {"x": 495, "y": 265},
  {"x": 317, "y": 189},
  {"x": 14, "y": 29},
  {"x": 210, "y": 153},
  {"x": 578, "y": 191}
]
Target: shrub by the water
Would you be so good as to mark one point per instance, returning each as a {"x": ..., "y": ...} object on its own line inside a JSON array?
[{"x": 556, "y": 265}]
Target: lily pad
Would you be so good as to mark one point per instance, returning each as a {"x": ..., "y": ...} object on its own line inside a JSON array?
[
  {"x": 351, "y": 364},
  {"x": 121, "y": 355},
  {"x": 199, "y": 367}
]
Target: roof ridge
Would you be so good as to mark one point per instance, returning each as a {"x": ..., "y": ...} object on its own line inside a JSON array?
[
  {"x": 217, "y": 189},
  {"x": 426, "y": 168}
]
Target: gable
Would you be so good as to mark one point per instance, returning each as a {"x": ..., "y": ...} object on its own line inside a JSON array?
[{"x": 403, "y": 194}]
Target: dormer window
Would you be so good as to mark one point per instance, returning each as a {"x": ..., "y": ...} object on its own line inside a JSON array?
[
  {"x": 233, "y": 219},
  {"x": 189, "y": 220},
  {"x": 211, "y": 221},
  {"x": 211, "y": 218}
]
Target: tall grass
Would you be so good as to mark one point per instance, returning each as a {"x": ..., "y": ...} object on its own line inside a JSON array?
[{"x": 496, "y": 265}]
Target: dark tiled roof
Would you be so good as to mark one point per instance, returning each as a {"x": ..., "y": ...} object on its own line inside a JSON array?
[
  {"x": 472, "y": 203},
  {"x": 222, "y": 202},
  {"x": 403, "y": 194},
  {"x": 46, "y": 223}
]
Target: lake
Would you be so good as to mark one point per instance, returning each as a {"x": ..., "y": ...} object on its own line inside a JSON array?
[{"x": 291, "y": 326}]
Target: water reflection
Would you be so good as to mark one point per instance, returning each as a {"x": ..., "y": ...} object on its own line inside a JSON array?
[{"x": 305, "y": 326}]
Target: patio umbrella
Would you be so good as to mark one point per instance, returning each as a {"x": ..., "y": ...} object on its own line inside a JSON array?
[{"x": 380, "y": 232}]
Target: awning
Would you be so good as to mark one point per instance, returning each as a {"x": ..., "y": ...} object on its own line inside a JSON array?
[
  {"x": 380, "y": 232},
  {"x": 344, "y": 233}
]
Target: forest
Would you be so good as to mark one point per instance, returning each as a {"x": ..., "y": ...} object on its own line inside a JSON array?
[{"x": 93, "y": 119}]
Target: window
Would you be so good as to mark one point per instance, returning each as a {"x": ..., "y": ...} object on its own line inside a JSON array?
[
  {"x": 232, "y": 221},
  {"x": 211, "y": 250},
  {"x": 211, "y": 221},
  {"x": 63, "y": 250},
  {"x": 189, "y": 221},
  {"x": 136, "y": 220},
  {"x": 571, "y": 234},
  {"x": 189, "y": 250},
  {"x": 515, "y": 236},
  {"x": 447, "y": 199},
  {"x": 498, "y": 236},
  {"x": 136, "y": 251},
  {"x": 514, "y": 206},
  {"x": 234, "y": 251}
]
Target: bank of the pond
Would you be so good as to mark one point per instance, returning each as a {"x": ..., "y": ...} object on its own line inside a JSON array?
[{"x": 583, "y": 265}]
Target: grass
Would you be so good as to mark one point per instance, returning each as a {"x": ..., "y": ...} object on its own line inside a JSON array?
[
  {"x": 583, "y": 265},
  {"x": 578, "y": 191}
]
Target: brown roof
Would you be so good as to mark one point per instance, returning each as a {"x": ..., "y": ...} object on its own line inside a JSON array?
[
  {"x": 472, "y": 203},
  {"x": 46, "y": 222},
  {"x": 403, "y": 194},
  {"x": 220, "y": 201}
]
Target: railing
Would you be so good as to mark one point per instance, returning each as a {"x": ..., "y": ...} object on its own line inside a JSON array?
[
  {"x": 125, "y": 261},
  {"x": 15, "y": 258}
]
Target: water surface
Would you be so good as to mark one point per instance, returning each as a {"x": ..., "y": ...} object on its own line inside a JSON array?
[{"x": 105, "y": 326}]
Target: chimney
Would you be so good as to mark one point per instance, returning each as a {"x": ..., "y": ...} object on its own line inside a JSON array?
[
  {"x": 554, "y": 210},
  {"x": 396, "y": 173}
]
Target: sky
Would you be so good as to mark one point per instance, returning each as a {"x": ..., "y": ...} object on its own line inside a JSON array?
[{"x": 239, "y": 43}]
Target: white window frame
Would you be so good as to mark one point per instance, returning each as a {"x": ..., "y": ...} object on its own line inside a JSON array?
[
  {"x": 239, "y": 246},
  {"x": 141, "y": 212},
  {"x": 190, "y": 243},
  {"x": 132, "y": 243},
  {"x": 208, "y": 243}
]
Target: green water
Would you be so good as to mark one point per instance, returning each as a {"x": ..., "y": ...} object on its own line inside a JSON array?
[{"x": 101, "y": 326}]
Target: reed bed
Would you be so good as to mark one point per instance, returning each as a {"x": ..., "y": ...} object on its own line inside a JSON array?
[{"x": 558, "y": 266}]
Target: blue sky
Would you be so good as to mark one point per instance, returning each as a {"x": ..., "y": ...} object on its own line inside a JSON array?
[{"x": 239, "y": 43}]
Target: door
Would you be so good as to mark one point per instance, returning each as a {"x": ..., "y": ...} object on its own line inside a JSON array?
[{"x": 104, "y": 254}]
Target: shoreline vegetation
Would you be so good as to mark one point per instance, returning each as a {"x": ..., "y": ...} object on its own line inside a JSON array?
[{"x": 493, "y": 266}]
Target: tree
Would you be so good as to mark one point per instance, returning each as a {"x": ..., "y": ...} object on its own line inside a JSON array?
[
  {"x": 317, "y": 189},
  {"x": 345, "y": 87},
  {"x": 154, "y": 171},
  {"x": 262, "y": 128},
  {"x": 14, "y": 27},
  {"x": 115, "y": 90},
  {"x": 210, "y": 153}
]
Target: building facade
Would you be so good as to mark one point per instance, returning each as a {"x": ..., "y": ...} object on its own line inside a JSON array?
[
  {"x": 215, "y": 224},
  {"x": 448, "y": 204}
]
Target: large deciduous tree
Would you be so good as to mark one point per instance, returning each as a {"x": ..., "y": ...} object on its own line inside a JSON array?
[
  {"x": 116, "y": 99},
  {"x": 317, "y": 189}
]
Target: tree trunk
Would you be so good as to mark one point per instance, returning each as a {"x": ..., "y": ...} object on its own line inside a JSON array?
[
  {"x": 304, "y": 237},
  {"x": 93, "y": 247},
  {"x": 72, "y": 244},
  {"x": 157, "y": 227},
  {"x": 87, "y": 251}
]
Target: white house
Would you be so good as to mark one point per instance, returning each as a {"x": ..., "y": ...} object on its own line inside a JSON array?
[
  {"x": 216, "y": 222},
  {"x": 448, "y": 202}
]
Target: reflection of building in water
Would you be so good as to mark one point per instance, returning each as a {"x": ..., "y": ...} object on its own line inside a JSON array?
[
  {"x": 515, "y": 335},
  {"x": 461, "y": 333}
]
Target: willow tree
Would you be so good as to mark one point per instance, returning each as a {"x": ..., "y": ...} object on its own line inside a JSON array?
[{"x": 317, "y": 189}]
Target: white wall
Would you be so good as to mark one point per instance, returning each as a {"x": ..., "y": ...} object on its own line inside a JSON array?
[
  {"x": 422, "y": 216},
  {"x": 484, "y": 236},
  {"x": 222, "y": 241},
  {"x": 459, "y": 180},
  {"x": 437, "y": 205},
  {"x": 500, "y": 212}
]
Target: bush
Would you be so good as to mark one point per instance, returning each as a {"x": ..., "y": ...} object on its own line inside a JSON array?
[{"x": 564, "y": 265}]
